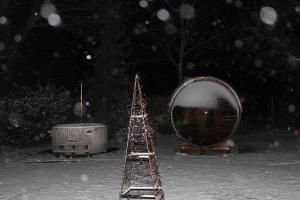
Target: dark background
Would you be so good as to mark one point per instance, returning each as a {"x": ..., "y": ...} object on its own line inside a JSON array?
[{"x": 225, "y": 39}]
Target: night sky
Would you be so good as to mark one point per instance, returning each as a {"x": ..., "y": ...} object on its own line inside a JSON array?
[{"x": 252, "y": 45}]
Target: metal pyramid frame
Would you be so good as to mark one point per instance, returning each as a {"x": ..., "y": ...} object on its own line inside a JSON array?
[{"x": 141, "y": 179}]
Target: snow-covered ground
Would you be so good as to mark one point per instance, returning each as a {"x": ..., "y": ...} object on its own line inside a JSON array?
[{"x": 266, "y": 168}]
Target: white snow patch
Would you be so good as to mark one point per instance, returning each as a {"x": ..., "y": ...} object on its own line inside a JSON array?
[
  {"x": 268, "y": 15},
  {"x": 204, "y": 94}
]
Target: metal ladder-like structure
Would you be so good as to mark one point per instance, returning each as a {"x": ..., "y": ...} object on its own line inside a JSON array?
[{"x": 141, "y": 179}]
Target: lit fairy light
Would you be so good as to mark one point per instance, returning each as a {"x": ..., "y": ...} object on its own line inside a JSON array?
[
  {"x": 3, "y": 20},
  {"x": 88, "y": 57},
  {"x": 47, "y": 9},
  {"x": 268, "y": 15},
  {"x": 54, "y": 19},
  {"x": 163, "y": 14},
  {"x": 143, "y": 3}
]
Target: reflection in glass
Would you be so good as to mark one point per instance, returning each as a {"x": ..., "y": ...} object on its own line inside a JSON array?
[{"x": 205, "y": 111}]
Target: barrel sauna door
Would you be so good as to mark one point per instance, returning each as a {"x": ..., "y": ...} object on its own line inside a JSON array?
[{"x": 205, "y": 111}]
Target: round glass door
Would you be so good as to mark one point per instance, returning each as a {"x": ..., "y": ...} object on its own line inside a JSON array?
[{"x": 205, "y": 111}]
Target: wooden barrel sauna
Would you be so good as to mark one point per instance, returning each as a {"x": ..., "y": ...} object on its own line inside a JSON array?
[
  {"x": 205, "y": 111},
  {"x": 79, "y": 138}
]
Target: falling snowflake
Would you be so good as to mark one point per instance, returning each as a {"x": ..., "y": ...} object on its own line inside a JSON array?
[
  {"x": 238, "y": 4},
  {"x": 186, "y": 11},
  {"x": 170, "y": 28},
  {"x": 229, "y": 1},
  {"x": 3, "y": 20},
  {"x": 88, "y": 57},
  {"x": 4, "y": 67},
  {"x": 139, "y": 29},
  {"x": 143, "y": 3},
  {"x": 276, "y": 144},
  {"x": 258, "y": 62},
  {"x": 163, "y": 14},
  {"x": 84, "y": 178},
  {"x": 115, "y": 71},
  {"x": 56, "y": 54},
  {"x": 292, "y": 108},
  {"x": 190, "y": 65},
  {"x": 18, "y": 38},
  {"x": 47, "y": 9},
  {"x": 2, "y": 46},
  {"x": 238, "y": 43},
  {"x": 293, "y": 61},
  {"x": 54, "y": 19},
  {"x": 154, "y": 48},
  {"x": 268, "y": 15},
  {"x": 214, "y": 23},
  {"x": 77, "y": 109},
  {"x": 297, "y": 9}
]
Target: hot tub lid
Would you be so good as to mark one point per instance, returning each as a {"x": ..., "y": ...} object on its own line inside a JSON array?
[{"x": 80, "y": 125}]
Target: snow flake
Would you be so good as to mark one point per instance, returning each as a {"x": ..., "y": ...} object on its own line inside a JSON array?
[
  {"x": 2, "y": 46},
  {"x": 88, "y": 57},
  {"x": 170, "y": 28},
  {"x": 292, "y": 108},
  {"x": 3, "y": 20},
  {"x": 47, "y": 9},
  {"x": 143, "y": 3},
  {"x": 297, "y": 9},
  {"x": 4, "y": 67},
  {"x": 238, "y": 3},
  {"x": 293, "y": 61},
  {"x": 297, "y": 132},
  {"x": 36, "y": 138},
  {"x": 258, "y": 62},
  {"x": 186, "y": 11},
  {"x": 190, "y": 65},
  {"x": 154, "y": 48},
  {"x": 25, "y": 197},
  {"x": 84, "y": 178},
  {"x": 147, "y": 22},
  {"x": 163, "y": 14},
  {"x": 18, "y": 38},
  {"x": 56, "y": 54},
  {"x": 77, "y": 109},
  {"x": 273, "y": 72},
  {"x": 268, "y": 15},
  {"x": 115, "y": 71},
  {"x": 87, "y": 103},
  {"x": 276, "y": 144},
  {"x": 54, "y": 19},
  {"x": 238, "y": 43},
  {"x": 229, "y": 1},
  {"x": 139, "y": 29},
  {"x": 214, "y": 23}
]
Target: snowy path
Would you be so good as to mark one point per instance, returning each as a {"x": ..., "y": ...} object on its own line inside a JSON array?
[{"x": 261, "y": 175}]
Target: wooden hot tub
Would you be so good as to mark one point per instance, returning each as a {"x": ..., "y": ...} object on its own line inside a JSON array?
[{"x": 79, "y": 138}]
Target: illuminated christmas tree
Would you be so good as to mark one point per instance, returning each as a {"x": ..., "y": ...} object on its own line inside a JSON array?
[{"x": 141, "y": 179}]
